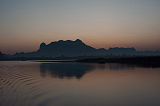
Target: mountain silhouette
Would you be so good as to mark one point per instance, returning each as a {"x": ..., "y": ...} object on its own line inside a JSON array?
[
  {"x": 122, "y": 51},
  {"x": 2, "y": 56},
  {"x": 66, "y": 48},
  {"x": 69, "y": 49}
]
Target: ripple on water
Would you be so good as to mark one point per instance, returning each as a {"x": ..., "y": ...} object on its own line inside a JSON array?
[
  {"x": 21, "y": 84},
  {"x": 18, "y": 86}
]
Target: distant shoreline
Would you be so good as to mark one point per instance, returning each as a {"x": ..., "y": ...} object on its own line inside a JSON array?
[{"x": 145, "y": 61}]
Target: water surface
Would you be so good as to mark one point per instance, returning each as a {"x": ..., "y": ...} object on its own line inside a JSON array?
[{"x": 78, "y": 84}]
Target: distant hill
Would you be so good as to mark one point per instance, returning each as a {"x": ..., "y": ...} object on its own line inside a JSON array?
[
  {"x": 69, "y": 49},
  {"x": 66, "y": 48},
  {"x": 121, "y": 51},
  {"x": 1, "y": 54}
]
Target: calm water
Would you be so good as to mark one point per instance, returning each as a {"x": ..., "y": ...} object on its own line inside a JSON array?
[{"x": 78, "y": 84}]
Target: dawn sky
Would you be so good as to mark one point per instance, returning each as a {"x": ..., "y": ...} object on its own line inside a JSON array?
[{"x": 24, "y": 24}]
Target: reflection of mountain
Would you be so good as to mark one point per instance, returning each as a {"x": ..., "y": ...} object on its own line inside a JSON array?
[
  {"x": 119, "y": 67},
  {"x": 77, "y": 70},
  {"x": 62, "y": 70}
]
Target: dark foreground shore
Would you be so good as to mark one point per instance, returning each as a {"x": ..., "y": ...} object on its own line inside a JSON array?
[
  {"x": 145, "y": 61},
  {"x": 142, "y": 61}
]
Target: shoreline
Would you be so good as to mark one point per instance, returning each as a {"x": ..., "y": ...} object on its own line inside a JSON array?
[{"x": 147, "y": 61}]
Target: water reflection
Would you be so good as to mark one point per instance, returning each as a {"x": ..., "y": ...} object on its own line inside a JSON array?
[
  {"x": 77, "y": 70},
  {"x": 68, "y": 70},
  {"x": 104, "y": 84},
  {"x": 117, "y": 67}
]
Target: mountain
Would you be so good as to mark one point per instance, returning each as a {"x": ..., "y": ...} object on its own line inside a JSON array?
[
  {"x": 69, "y": 49},
  {"x": 121, "y": 51},
  {"x": 66, "y": 48},
  {"x": 1, "y": 54}
]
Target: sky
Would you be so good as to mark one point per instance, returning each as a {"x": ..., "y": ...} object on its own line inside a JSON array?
[{"x": 24, "y": 24}]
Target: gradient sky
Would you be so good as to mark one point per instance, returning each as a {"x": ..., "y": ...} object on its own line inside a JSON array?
[{"x": 24, "y": 24}]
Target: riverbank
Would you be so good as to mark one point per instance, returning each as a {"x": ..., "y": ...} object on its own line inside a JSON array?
[{"x": 146, "y": 61}]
